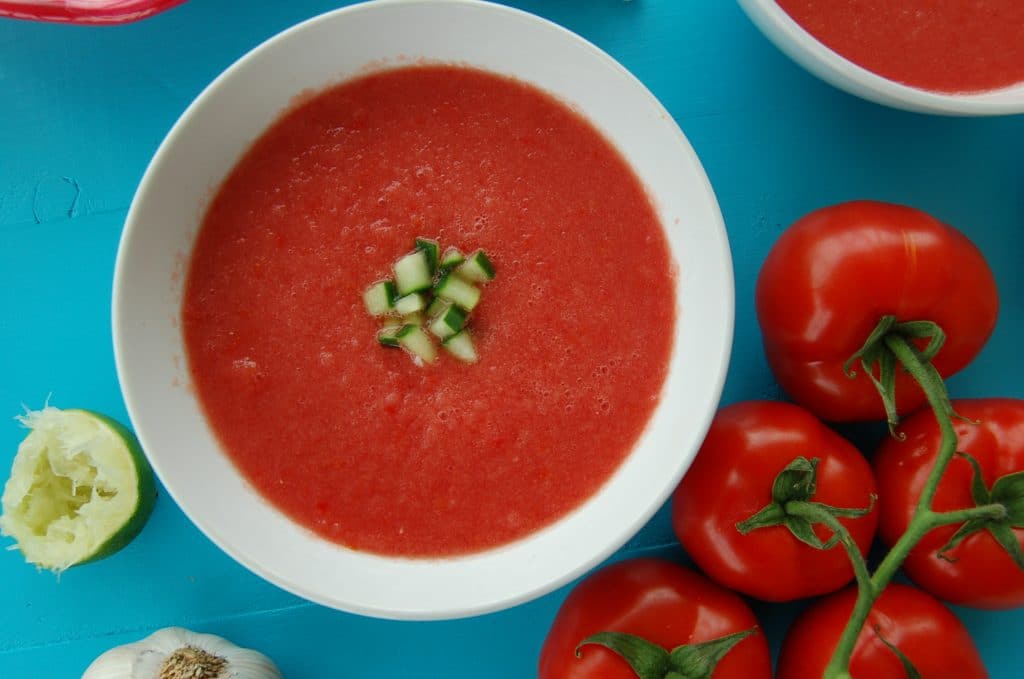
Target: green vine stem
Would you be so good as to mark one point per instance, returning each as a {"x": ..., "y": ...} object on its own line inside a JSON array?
[
  {"x": 815, "y": 514},
  {"x": 924, "y": 520}
]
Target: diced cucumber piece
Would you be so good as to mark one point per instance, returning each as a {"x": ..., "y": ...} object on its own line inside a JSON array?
[
  {"x": 452, "y": 258},
  {"x": 415, "y": 318},
  {"x": 461, "y": 346},
  {"x": 410, "y": 303},
  {"x": 431, "y": 249},
  {"x": 379, "y": 298},
  {"x": 449, "y": 322},
  {"x": 437, "y": 305},
  {"x": 454, "y": 289},
  {"x": 417, "y": 342},
  {"x": 477, "y": 268},
  {"x": 413, "y": 273},
  {"x": 389, "y": 336}
]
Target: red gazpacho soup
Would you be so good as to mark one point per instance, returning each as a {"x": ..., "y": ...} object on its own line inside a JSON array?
[
  {"x": 939, "y": 45},
  {"x": 574, "y": 335}
]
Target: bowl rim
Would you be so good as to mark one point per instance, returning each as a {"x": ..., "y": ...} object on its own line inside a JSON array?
[
  {"x": 655, "y": 499},
  {"x": 801, "y": 46}
]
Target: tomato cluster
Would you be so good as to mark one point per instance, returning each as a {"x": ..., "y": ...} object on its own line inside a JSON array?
[{"x": 778, "y": 506}]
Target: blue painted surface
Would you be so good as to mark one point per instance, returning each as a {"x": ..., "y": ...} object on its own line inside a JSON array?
[{"x": 82, "y": 110}]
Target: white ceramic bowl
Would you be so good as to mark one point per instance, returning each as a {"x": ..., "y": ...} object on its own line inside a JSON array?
[
  {"x": 805, "y": 49},
  {"x": 202, "y": 148}
]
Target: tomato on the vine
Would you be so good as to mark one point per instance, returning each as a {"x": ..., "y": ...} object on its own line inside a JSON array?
[
  {"x": 836, "y": 272},
  {"x": 978, "y": 571},
  {"x": 927, "y": 633},
  {"x": 660, "y": 602},
  {"x": 733, "y": 479}
]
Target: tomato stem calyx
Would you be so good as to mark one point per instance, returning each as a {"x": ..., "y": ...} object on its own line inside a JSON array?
[
  {"x": 877, "y": 351},
  {"x": 1008, "y": 493},
  {"x": 791, "y": 506},
  {"x": 650, "y": 661}
]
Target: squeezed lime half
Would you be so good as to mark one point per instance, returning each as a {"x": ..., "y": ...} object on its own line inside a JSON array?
[{"x": 80, "y": 488}]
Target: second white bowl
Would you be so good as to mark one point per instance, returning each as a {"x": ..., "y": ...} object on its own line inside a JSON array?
[{"x": 806, "y": 50}]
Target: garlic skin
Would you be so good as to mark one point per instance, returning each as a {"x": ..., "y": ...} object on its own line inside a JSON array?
[{"x": 148, "y": 658}]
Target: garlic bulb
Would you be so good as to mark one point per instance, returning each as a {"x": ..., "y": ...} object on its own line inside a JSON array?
[{"x": 176, "y": 653}]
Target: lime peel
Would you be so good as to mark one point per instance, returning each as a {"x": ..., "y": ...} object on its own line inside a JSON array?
[{"x": 80, "y": 488}]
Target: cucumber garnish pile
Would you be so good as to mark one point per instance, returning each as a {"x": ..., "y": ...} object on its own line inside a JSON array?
[{"x": 430, "y": 298}]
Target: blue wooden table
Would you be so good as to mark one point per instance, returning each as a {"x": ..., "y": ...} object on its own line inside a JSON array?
[{"x": 82, "y": 110}]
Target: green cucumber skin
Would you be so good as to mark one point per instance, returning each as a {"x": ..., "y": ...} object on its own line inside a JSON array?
[
  {"x": 449, "y": 323},
  {"x": 415, "y": 332},
  {"x": 484, "y": 262},
  {"x": 147, "y": 492},
  {"x": 454, "y": 346},
  {"x": 478, "y": 267},
  {"x": 406, "y": 329},
  {"x": 432, "y": 249},
  {"x": 427, "y": 275},
  {"x": 454, "y": 319},
  {"x": 437, "y": 305},
  {"x": 415, "y": 303},
  {"x": 389, "y": 337},
  {"x": 450, "y": 284},
  {"x": 390, "y": 292},
  {"x": 452, "y": 258}
]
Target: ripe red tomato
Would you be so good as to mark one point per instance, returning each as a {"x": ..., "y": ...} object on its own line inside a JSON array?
[
  {"x": 732, "y": 478},
  {"x": 981, "y": 573},
  {"x": 833, "y": 274},
  {"x": 659, "y": 601},
  {"x": 931, "y": 637}
]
